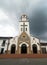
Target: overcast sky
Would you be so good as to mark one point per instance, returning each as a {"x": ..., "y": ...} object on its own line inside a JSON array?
[{"x": 11, "y": 10}]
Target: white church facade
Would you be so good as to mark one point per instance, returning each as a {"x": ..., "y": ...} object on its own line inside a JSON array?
[{"x": 24, "y": 43}]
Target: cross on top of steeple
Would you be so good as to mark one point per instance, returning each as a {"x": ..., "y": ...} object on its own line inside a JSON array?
[
  {"x": 24, "y": 27},
  {"x": 24, "y": 24}
]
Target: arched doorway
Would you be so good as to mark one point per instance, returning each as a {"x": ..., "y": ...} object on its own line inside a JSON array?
[
  {"x": 34, "y": 48},
  {"x": 23, "y": 49},
  {"x": 13, "y": 48}
]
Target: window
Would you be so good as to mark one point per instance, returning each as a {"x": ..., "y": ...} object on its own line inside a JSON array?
[
  {"x": 3, "y": 44},
  {"x": 2, "y": 50},
  {"x": 21, "y": 29},
  {"x": 26, "y": 29},
  {"x": 33, "y": 38},
  {"x": 43, "y": 50}
]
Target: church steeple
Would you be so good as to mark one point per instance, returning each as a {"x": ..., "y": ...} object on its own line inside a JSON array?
[
  {"x": 24, "y": 18},
  {"x": 24, "y": 24}
]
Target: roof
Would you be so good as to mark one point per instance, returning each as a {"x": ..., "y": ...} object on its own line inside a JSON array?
[
  {"x": 6, "y": 37},
  {"x": 43, "y": 44}
]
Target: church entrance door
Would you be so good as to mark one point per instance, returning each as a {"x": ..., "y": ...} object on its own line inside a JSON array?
[
  {"x": 23, "y": 49},
  {"x": 34, "y": 48},
  {"x": 13, "y": 47}
]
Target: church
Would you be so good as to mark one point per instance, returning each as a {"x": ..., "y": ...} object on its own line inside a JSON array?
[{"x": 24, "y": 43}]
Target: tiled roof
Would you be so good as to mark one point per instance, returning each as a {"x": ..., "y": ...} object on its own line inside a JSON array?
[
  {"x": 6, "y": 37},
  {"x": 43, "y": 44}
]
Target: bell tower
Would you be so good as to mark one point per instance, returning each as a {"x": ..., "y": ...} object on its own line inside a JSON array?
[{"x": 24, "y": 25}]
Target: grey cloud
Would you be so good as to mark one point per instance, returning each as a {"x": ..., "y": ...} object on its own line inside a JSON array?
[
  {"x": 38, "y": 22},
  {"x": 37, "y": 13}
]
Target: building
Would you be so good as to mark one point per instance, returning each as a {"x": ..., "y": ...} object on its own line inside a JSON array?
[
  {"x": 24, "y": 43},
  {"x": 3, "y": 44}
]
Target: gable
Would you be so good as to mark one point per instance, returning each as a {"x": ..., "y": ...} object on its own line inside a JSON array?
[{"x": 24, "y": 37}]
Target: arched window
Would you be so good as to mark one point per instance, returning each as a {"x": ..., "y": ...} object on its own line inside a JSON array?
[
  {"x": 23, "y": 49},
  {"x": 13, "y": 49},
  {"x": 26, "y": 29},
  {"x": 34, "y": 47}
]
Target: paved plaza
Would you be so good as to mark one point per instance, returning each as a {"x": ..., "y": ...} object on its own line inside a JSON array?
[{"x": 24, "y": 61}]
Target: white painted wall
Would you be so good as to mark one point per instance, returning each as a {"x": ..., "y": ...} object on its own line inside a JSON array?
[
  {"x": 26, "y": 23},
  {"x": 13, "y": 41},
  {"x": 46, "y": 49},
  {"x": 5, "y": 47},
  {"x": 35, "y": 41},
  {"x": 24, "y": 43},
  {"x": 1, "y": 41}
]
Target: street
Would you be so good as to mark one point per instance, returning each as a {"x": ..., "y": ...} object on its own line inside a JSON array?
[{"x": 24, "y": 61}]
